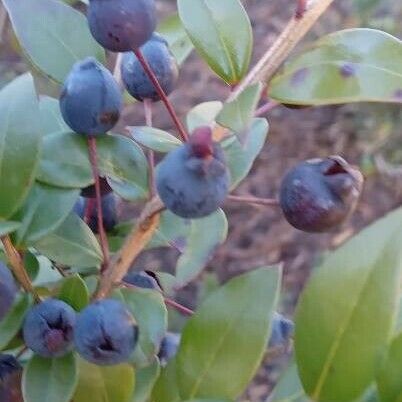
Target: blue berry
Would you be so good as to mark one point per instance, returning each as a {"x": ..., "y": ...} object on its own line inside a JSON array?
[
  {"x": 141, "y": 280},
  {"x": 121, "y": 25},
  {"x": 169, "y": 347},
  {"x": 193, "y": 180},
  {"x": 318, "y": 195},
  {"x": 91, "y": 99},
  {"x": 48, "y": 328},
  {"x": 106, "y": 333},
  {"x": 162, "y": 63},
  {"x": 8, "y": 290},
  {"x": 109, "y": 211},
  {"x": 10, "y": 379},
  {"x": 282, "y": 330}
]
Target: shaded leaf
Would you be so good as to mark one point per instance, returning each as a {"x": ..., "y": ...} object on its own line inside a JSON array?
[
  {"x": 353, "y": 65},
  {"x": 221, "y": 33},
  {"x": 104, "y": 384},
  {"x": 166, "y": 389},
  {"x": 54, "y": 35},
  {"x": 354, "y": 292},
  {"x": 224, "y": 342},
  {"x": 7, "y": 227},
  {"x": 19, "y": 142},
  {"x": 145, "y": 379},
  {"x": 49, "y": 380},
  {"x": 203, "y": 114},
  {"x": 52, "y": 120},
  {"x": 74, "y": 292},
  {"x": 155, "y": 139},
  {"x": 179, "y": 42},
  {"x": 71, "y": 244}
]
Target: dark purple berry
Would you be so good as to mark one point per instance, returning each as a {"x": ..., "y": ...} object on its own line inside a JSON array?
[
  {"x": 106, "y": 333},
  {"x": 86, "y": 209},
  {"x": 91, "y": 99},
  {"x": 10, "y": 379},
  {"x": 48, "y": 328},
  {"x": 8, "y": 290},
  {"x": 162, "y": 63},
  {"x": 141, "y": 280},
  {"x": 319, "y": 194},
  {"x": 121, "y": 25},
  {"x": 89, "y": 192},
  {"x": 193, "y": 180}
]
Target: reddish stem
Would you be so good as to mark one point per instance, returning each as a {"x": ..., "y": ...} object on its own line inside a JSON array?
[
  {"x": 178, "y": 307},
  {"x": 95, "y": 172},
  {"x": 151, "y": 75},
  {"x": 88, "y": 210},
  {"x": 267, "y": 107},
  {"x": 271, "y": 202},
  {"x": 301, "y": 9},
  {"x": 150, "y": 153}
]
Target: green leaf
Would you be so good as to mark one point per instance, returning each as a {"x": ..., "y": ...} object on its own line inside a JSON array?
[
  {"x": 7, "y": 227},
  {"x": 52, "y": 120},
  {"x": 31, "y": 264},
  {"x": 44, "y": 210},
  {"x": 49, "y": 380},
  {"x": 54, "y": 35},
  {"x": 104, "y": 384},
  {"x": 389, "y": 378},
  {"x": 71, "y": 244},
  {"x": 19, "y": 142},
  {"x": 12, "y": 322},
  {"x": 354, "y": 65},
  {"x": 238, "y": 114},
  {"x": 241, "y": 156},
  {"x": 346, "y": 314},
  {"x": 200, "y": 248},
  {"x": 289, "y": 387},
  {"x": 165, "y": 389},
  {"x": 179, "y": 43},
  {"x": 65, "y": 162},
  {"x": 221, "y": 33},
  {"x": 149, "y": 310},
  {"x": 203, "y": 114},
  {"x": 207, "y": 400},
  {"x": 145, "y": 379},
  {"x": 155, "y": 139},
  {"x": 223, "y": 344},
  {"x": 74, "y": 292}
]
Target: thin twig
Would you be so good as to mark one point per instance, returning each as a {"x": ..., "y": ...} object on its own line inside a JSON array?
[
  {"x": 133, "y": 246},
  {"x": 150, "y": 153},
  {"x": 101, "y": 229},
  {"x": 151, "y": 75},
  {"x": 270, "y": 202},
  {"x": 179, "y": 307},
  {"x": 18, "y": 268},
  {"x": 267, "y": 107}
]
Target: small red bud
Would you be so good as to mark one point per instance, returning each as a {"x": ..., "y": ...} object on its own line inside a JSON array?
[{"x": 201, "y": 142}]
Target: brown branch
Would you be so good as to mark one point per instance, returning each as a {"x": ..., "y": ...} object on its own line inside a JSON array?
[
  {"x": 270, "y": 202},
  {"x": 18, "y": 267},
  {"x": 133, "y": 246}
]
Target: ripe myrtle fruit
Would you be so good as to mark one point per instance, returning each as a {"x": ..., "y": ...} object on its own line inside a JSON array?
[
  {"x": 319, "y": 194},
  {"x": 91, "y": 99},
  {"x": 48, "y": 328},
  {"x": 193, "y": 180},
  {"x": 282, "y": 330},
  {"x": 142, "y": 280},
  {"x": 162, "y": 63},
  {"x": 90, "y": 192},
  {"x": 121, "y": 25},
  {"x": 8, "y": 290},
  {"x": 169, "y": 346},
  {"x": 106, "y": 333},
  {"x": 109, "y": 211},
  {"x": 10, "y": 379}
]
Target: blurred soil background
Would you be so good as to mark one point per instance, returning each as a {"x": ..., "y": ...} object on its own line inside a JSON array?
[{"x": 365, "y": 135}]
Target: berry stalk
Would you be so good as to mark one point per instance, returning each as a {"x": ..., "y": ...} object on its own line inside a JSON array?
[
  {"x": 270, "y": 202},
  {"x": 151, "y": 75},
  {"x": 182, "y": 309},
  {"x": 101, "y": 229}
]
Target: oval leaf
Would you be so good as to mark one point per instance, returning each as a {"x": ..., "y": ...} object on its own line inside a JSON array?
[
  {"x": 199, "y": 248},
  {"x": 104, "y": 384},
  {"x": 71, "y": 244},
  {"x": 53, "y": 34},
  {"x": 165, "y": 389},
  {"x": 7, "y": 227},
  {"x": 44, "y": 210},
  {"x": 203, "y": 114},
  {"x": 52, "y": 120},
  {"x": 355, "y": 292},
  {"x": 74, "y": 292},
  {"x": 49, "y": 380},
  {"x": 152, "y": 138},
  {"x": 354, "y": 65},
  {"x": 19, "y": 142},
  {"x": 221, "y": 33},
  {"x": 149, "y": 310},
  {"x": 145, "y": 379},
  {"x": 224, "y": 342}
]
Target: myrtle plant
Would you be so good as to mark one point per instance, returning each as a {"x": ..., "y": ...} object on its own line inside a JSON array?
[{"x": 77, "y": 323}]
